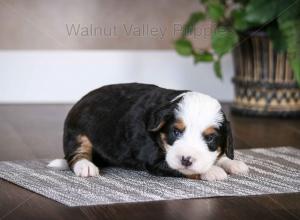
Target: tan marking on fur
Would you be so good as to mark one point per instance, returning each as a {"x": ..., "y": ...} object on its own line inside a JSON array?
[
  {"x": 161, "y": 124},
  {"x": 194, "y": 176},
  {"x": 84, "y": 151},
  {"x": 209, "y": 130},
  {"x": 220, "y": 153},
  {"x": 179, "y": 124},
  {"x": 163, "y": 139}
]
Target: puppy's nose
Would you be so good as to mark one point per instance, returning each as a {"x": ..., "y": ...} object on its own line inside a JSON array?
[{"x": 186, "y": 161}]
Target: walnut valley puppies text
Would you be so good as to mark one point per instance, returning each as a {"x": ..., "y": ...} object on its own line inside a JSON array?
[{"x": 132, "y": 30}]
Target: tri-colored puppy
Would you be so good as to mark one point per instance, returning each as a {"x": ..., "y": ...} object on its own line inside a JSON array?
[{"x": 138, "y": 126}]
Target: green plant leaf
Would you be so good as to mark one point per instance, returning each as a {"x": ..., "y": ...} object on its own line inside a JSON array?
[
  {"x": 215, "y": 11},
  {"x": 203, "y": 1},
  {"x": 203, "y": 57},
  {"x": 242, "y": 2},
  {"x": 278, "y": 40},
  {"x": 288, "y": 10},
  {"x": 217, "y": 69},
  {"x": 223, "y": 40},
  {"x": 184, "y": 47},
  {"x": 261, "y": 11},
  {"x": 239, "y": 20},
  {"x": 291, "y": 31},
  {"x": 193, "y": 20}
]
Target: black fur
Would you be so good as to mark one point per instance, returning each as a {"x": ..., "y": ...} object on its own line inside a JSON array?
[
  {"x": 118, "y": 120},
  {"x": 226, "y": 141}
]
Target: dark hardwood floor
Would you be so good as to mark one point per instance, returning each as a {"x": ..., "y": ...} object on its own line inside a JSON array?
[{"x": 35, "y": 131}]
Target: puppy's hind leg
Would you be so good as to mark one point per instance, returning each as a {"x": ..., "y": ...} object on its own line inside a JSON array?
[{"x": 80, "y": 160}]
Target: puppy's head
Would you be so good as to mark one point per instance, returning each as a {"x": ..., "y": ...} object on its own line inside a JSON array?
[{"x": 193, "y": 131}]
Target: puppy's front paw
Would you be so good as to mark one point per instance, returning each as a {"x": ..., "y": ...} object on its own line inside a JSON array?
[
  {"x": 214, "y": 173},
  {"x": 234, "y": 167},
  {"x": 85, "y": 168}
]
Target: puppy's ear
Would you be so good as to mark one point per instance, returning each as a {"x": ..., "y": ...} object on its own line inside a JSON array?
[
  {"x": 227, "y": 139},
  {"x": 158, "y": 116}
]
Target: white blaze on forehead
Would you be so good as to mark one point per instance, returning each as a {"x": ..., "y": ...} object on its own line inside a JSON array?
[{"x": 200, "y": 110}]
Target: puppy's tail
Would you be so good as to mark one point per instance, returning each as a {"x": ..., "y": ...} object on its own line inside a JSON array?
[{"x": 59, "y": 164}]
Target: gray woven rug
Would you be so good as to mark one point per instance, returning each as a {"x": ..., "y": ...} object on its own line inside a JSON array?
[{"x": 273, "y": 170}]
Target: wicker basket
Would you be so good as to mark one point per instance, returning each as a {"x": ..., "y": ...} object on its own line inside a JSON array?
[{"x": 264, "y": 82}]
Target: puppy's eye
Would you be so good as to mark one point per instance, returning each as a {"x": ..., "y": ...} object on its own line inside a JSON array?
[
  {"x": 177, "y": 133},
  {"x": 210, "y": 138}
]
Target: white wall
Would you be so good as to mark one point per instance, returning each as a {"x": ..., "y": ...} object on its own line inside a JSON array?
[{"x": 65, "y": 76}]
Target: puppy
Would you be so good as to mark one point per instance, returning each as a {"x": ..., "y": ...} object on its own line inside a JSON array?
[{"x": 145, "y": 127}]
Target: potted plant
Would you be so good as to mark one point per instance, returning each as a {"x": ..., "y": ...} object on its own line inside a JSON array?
[{"x": 264, "y": 38}]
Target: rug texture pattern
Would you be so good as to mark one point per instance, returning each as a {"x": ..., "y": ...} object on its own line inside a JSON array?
[{"x": 273, "y": 170}]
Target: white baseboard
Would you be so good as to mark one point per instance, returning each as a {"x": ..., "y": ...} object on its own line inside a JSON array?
[{"x": 65, "y": 76}]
